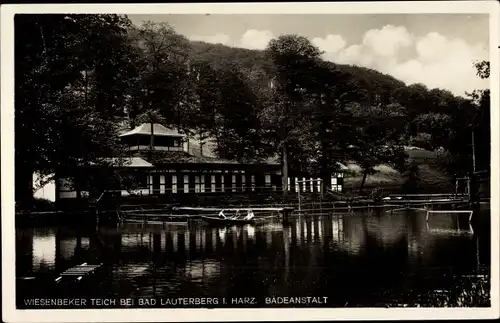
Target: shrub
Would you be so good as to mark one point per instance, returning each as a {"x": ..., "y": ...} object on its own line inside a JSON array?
[{"x": 41, "y": 204}]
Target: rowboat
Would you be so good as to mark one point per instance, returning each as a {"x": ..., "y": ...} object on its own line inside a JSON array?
[
  {"x": 222, "y": 219},
  {"x": 226, "y": 221}
]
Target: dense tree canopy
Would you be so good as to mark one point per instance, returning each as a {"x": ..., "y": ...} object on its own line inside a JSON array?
[{"x": 72, "y": 74}]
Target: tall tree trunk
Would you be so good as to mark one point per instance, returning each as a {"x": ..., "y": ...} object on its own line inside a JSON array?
[
  {"x": 365, "y": 173},
  {"x": 326, "y": 182},
  {"x": 152, "y": 141},
  {"x": 218, "y": 140},
  {"x": 284, "y": 177},
  {"x": 326, "y": 175},
  {"x": 201, "y": 143}
]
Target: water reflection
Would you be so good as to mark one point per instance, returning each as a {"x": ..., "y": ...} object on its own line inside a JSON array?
[
  {"x": 44, "y": 251},
  {"x": 350, "y": 258}
]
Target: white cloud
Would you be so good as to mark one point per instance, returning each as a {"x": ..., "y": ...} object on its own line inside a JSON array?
[
  {"x": 388, "y": 40},
  {"x": 437, "y": 61},
  {"x": 443, "y": 63},
  {"x": 330, "y": 44},
  {"x": 354, "y": 54},
  {"x": 256, "y": 39},
  {"x": 432, "y": 59},
  {"x": 214, "y": 39},
  {"x": 251, "y": 39}
]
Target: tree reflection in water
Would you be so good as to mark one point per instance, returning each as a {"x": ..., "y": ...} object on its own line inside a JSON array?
[{"x": 365, "y": 259}]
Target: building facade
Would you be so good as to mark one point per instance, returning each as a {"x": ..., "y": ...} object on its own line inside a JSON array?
[{"x": 160, "y": 164}]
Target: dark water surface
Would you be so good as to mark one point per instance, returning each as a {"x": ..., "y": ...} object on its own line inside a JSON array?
[{"x": 364, "y": 259}]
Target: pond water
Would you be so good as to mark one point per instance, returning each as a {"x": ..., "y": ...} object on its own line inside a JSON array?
[{"x": 364, "y": 259}]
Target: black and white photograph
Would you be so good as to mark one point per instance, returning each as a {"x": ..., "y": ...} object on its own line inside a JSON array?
[{"x": 301, "y": 158}]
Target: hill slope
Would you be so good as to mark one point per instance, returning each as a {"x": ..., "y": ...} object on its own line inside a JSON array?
[{"x": 255, "y": 62}]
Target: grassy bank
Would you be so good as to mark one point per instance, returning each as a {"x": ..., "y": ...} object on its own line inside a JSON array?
[{"x": 432, "y": 178}]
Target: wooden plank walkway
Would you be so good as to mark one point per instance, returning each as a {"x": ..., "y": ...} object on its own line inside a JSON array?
[
  {"x": 261, "y": 209},
  {"x": 469, "y": 212},
  {"x": 432, "y": 201},
  {"x": 78, "y": 271}
]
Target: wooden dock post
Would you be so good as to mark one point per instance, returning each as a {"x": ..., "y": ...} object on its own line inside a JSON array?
[
  {"x": 286, "y": 211},
  {"x": 285, "y": 216}
]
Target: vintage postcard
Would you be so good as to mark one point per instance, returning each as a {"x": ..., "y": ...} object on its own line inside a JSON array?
[{"x": 258, "y": 161}]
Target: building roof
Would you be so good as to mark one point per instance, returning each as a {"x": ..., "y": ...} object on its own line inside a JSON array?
[
  {"x": 135, "y": 162},
  {"x": 342, "y": 166},
  {"x": 158, "y": 130},
  {"x": 181, "y": 157}
]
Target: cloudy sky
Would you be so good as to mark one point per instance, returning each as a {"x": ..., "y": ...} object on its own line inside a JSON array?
[{"x": 434, "y": 49}]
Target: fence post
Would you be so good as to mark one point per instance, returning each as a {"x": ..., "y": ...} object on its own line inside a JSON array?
[{"x": 299, "y": 199}]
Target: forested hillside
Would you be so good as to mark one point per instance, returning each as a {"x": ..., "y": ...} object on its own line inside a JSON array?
[
  {"x": 255, "y": 63},
  {"x": 80, "y": 78},
  {"x": 430, "y": 109}
]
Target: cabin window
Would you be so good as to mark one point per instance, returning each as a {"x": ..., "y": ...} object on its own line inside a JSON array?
[
  {"x": 318, "y": 184},
  {"x": 174, "y": 184},
  {"x": 222, "y": 183},
  {"x": 311, "y": 184},
  {"x": 186, "y": 184},
  {"x": 337, "y": 188},
  {"x": 212, "y": 183},
  {"x": 197, "y": 184},
  {"x": 252, "y": 179},
  {"x": 288, "y": 185},
  {"x": 243, "y": 183},
  {"x": 304, "y": 189},
  {"x": 150, "y": 184},
  {"x": 268, "y": 180},
  {"x": 162, "y": 184},
  {"x": 233, "y": 181},
  {"x": 334, "y": 181}
]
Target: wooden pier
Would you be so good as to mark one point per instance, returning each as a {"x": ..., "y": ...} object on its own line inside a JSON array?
[
  {"x": 469, "y": 212},
  {"x": 78, "y": 272}
]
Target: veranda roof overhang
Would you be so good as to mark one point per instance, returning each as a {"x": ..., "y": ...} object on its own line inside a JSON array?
[
  {"x": 128, "y": 162},
  {"x": 158, "y": 130}
]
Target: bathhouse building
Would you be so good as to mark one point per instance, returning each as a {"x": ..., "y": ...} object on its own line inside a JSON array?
[{"x": 164, "y": 163}]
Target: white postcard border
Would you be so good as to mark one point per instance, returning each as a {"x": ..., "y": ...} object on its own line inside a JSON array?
[{"x": 10, "y": 314}]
